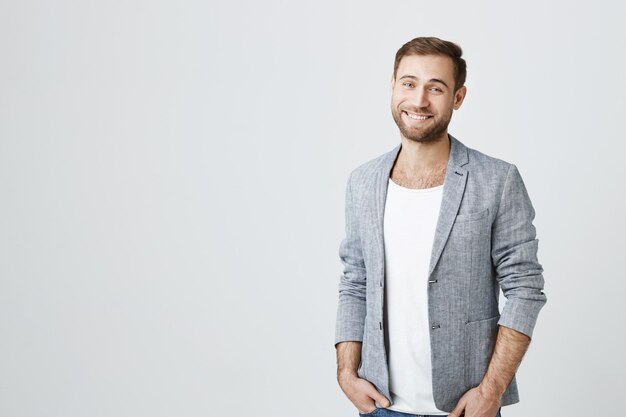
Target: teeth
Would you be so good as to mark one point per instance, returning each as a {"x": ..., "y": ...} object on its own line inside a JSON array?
[{"x": 416, "y": 117}]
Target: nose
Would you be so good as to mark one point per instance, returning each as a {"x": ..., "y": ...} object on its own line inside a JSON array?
[{"x": 419, "y": 98}]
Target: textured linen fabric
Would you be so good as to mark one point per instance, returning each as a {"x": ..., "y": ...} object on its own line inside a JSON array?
[
  {"x": 409, "y": 230},
  {"x": 485, "y": 241}
]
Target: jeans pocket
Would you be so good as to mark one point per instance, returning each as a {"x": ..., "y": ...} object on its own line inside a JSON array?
[{"x": 371, "y": 413}]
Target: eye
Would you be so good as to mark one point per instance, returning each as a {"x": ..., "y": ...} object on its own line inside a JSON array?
[
  {"x": 437, "y": 90},
  {"x": 407, "y": 84}
]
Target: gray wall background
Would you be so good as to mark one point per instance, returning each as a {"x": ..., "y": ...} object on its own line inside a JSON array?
[{"x": 172, "y": 179}]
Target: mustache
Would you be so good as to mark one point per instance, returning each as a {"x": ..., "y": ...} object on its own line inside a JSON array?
[{"x": 420, "y": 111}]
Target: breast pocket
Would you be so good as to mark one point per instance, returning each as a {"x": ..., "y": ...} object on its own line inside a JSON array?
[
  {"x": 466, "y": 217},
  {"x": 469, "y": 225},
  {"x": 468, "y": 246}
]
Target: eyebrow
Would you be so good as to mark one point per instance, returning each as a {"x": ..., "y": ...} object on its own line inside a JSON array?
[{"x": 436, "y": 80}]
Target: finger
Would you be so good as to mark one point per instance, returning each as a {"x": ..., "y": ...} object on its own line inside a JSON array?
[
  {"x": 458, "y": 410},
  {"x": 381, "y": 399},
  {"x": 366, "y": 407}
]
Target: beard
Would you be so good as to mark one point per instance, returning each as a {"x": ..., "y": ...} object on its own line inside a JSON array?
[{"x": 430, "y": 132}]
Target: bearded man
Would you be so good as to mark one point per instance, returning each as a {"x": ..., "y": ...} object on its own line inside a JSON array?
[{"x": 434, "y": 230}]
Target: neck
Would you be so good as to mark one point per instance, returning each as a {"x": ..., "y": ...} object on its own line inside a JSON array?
[{"x": 418, "y": 157}]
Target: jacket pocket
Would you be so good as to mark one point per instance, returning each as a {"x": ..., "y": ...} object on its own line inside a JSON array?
[
  {"x": 471, "y": 226},
  {"x": 480, "y": 339},
  {"x": 472, "y": 216}
]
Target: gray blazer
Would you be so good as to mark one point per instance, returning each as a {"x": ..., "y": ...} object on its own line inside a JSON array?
[{"x": 484, "y": 241}]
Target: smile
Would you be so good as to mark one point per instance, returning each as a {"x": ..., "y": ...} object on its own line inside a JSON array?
[{"x": 416, "y": 116}]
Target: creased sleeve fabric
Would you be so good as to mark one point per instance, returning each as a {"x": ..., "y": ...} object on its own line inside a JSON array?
[
  {"x": 351, "y": 308},
  {"x": 514, "y": 256}
]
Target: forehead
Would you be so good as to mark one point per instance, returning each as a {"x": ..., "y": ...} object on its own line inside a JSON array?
[{"x": 426, "y": 67}]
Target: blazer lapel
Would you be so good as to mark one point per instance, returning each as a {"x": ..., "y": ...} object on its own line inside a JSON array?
[
  {"x": 382, "y": 183},
  {"x": 453, "y": 189}
]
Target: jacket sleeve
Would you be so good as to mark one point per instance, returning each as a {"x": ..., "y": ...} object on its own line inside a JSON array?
[
  {"x": 351, "y": 310},
  {"x": 514, "y": 255}
]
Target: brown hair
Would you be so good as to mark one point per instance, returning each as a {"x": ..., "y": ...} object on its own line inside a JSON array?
[{"x": 435, "y": 46}]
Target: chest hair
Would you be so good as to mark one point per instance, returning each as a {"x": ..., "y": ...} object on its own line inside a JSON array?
[{"x": 426, "y": 179}]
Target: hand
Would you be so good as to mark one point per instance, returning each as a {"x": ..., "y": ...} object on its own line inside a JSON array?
[
  {"x": 477, "y": 403},
  {"x": 361, "y": 392}
]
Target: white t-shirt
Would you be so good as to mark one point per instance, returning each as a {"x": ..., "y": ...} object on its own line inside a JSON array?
[{"x": 410, "y": 220}]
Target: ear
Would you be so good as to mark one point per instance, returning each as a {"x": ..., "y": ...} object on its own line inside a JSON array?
[
  {"x": 393, "y": 82},
  {"x": 459, "y": 96}
]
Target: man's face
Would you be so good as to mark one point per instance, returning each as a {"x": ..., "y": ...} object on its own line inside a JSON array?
[{"x": 423, "y": 97}]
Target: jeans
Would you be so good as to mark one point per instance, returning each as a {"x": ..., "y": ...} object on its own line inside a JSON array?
[{"x": 383, "y": 412}]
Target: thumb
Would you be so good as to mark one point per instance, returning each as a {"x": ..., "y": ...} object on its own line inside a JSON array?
[
  {"x": 458, "y": 409},
  {"x": 382, "y": 400},
  {"x": 378, "y": 397}
]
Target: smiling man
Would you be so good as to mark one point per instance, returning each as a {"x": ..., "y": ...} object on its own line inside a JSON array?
[{"x": 434, "y": 230}]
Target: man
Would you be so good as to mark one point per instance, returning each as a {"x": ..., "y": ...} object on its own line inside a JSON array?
[{"x": 434, "y": 229}]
